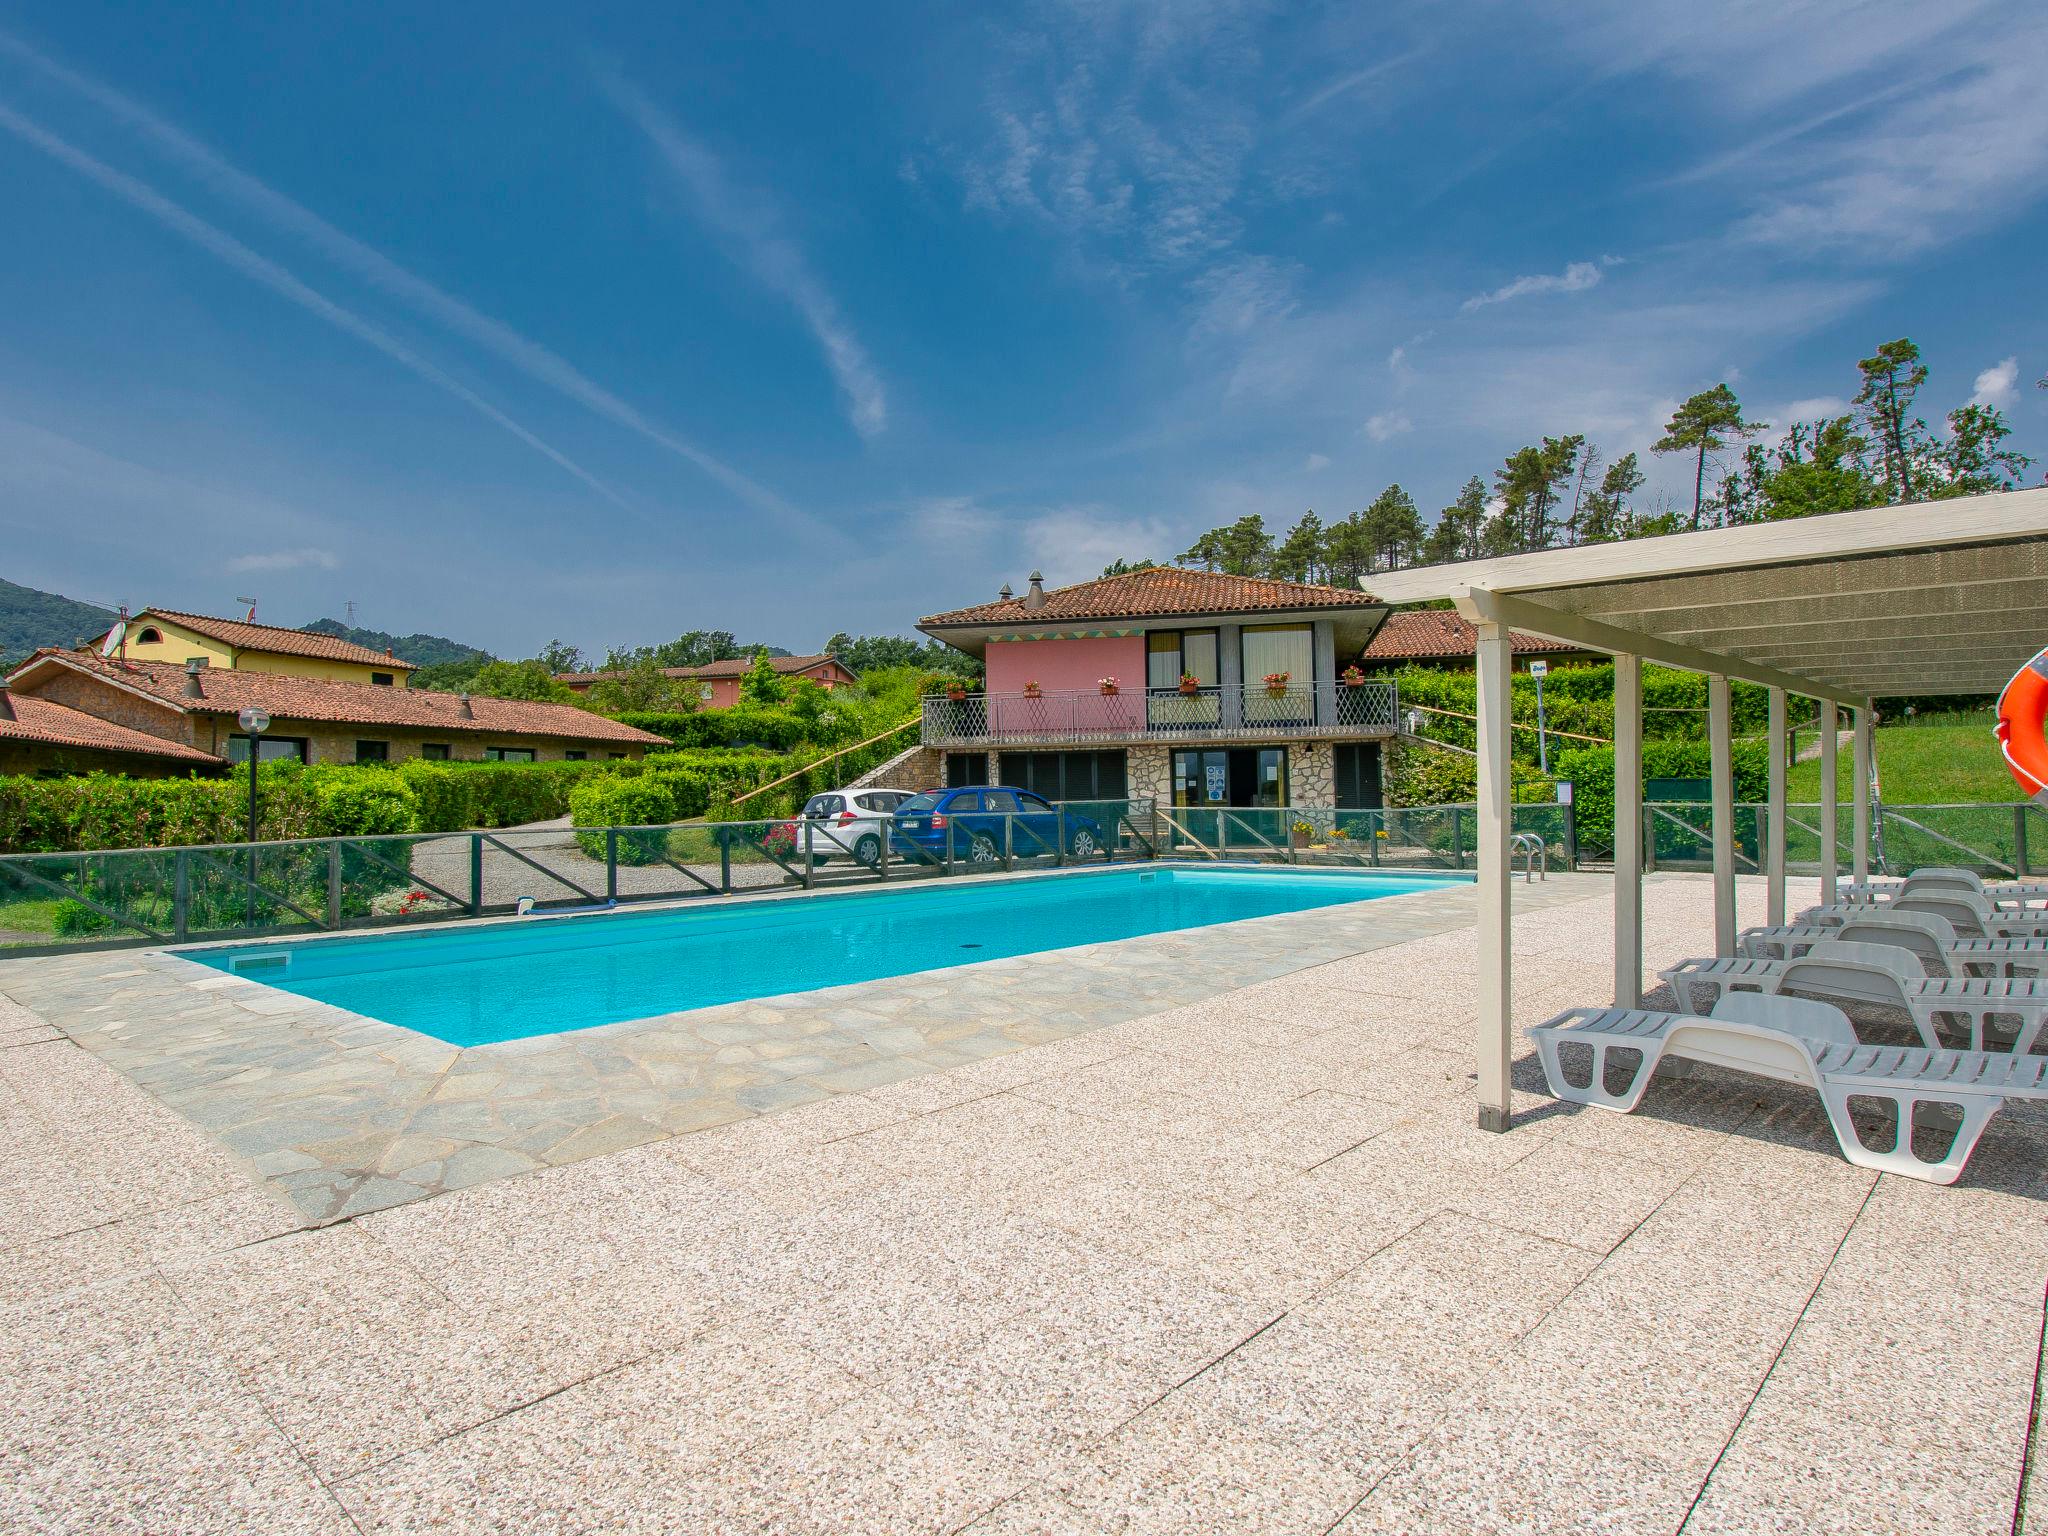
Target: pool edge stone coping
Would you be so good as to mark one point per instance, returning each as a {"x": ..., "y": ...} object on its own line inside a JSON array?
[{"x": 342, "y": 1114}]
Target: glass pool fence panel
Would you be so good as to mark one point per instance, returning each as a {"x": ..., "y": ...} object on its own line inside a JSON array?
[{"x": 1999, "y": 840}]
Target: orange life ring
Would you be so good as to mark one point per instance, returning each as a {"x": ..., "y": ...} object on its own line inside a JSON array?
[{"x": 2022, "y": 716}]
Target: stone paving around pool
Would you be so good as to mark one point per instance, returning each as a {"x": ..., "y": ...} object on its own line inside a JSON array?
[
  {"x": 345, "y": 1114},
  {"x": 1243, "y": 1264}
]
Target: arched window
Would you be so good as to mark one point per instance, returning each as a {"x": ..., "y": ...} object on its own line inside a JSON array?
[{"x": 150, "y": 635}]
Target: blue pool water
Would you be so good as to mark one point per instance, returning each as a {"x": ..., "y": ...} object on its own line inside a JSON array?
[{"x": 472, "y": 986}]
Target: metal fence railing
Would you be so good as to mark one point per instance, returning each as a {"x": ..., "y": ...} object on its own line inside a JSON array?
[
  {"x": 67, "y": 901},
  {"x": 1139, "y": 714},
  {"x": 1996, "y": 839}
]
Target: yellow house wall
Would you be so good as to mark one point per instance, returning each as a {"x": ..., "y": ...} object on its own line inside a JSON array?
[{"x": 180, "y": 645}]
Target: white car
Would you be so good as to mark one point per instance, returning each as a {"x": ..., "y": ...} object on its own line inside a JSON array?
[{"x": 857, "y": 819}]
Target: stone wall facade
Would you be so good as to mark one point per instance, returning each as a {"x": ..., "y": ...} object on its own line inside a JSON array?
[{"x": 918, "y": 768}]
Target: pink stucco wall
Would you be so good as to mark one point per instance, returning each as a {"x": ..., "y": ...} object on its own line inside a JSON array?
[{"x": 1071, "y": 666}]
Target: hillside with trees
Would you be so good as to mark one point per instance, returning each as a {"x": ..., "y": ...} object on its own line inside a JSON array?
[{"x": 30, "y": 619}]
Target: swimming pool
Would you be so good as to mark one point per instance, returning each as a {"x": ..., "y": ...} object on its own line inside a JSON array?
[{"x": 508, "y": 981}]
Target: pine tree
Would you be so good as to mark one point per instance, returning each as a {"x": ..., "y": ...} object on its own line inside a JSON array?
[
  {"x": 1891, "y": 378},
  {"x": 1706, "y": 423},
  {"x": 1302, "y": 555}
]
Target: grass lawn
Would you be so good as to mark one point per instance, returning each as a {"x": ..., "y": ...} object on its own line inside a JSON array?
[
  {"x": 1953, "y": 763},
  {"x": 33, "y": 916}
]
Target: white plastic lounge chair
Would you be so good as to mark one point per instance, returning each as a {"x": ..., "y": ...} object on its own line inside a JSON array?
[
  {"x": 1971, "y": 916},
  {"x": 1928, "y": 937},
  {"x": 1873, "y": 973},
  {"x": 1933, "y": 939},
  {"x": 2017, "y": 896},
  {"x": 1795, "y": 1041}
]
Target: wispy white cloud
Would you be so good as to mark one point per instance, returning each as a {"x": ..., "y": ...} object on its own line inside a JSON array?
[
  {"x": 1353, "y": 80},
  {"x": 285, "y": 560},
  {"x": 753, "y": 227},
  {"x": 1998, "y": 385},
  {"x": 1576, "y": 278},
  {"x": 424, "y": 298},
  {"x": 225, "y": 247},
  {"x": 1316, "y": 461},
  {"x": 1388, "y": 424}
]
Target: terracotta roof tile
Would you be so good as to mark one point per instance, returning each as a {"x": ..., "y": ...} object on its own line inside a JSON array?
[
  {"x": 737, "y": 666},
  {"x": 275, "y": 639},
  {"x": 225, "y": 692},
  {"x": 58, "y": 725},
  {"x": 1159, "y": 592},
  {"x": 1427, "y": 634}
]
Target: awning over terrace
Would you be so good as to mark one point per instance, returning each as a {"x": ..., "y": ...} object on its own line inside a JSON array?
[{"x": 1946, "y": 597}]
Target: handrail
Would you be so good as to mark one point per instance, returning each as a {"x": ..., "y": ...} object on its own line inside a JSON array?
[
  {"x": 1535, "y": 854},
  {"x": 1516, "y": 725},
  {"x": 762, "y": 789}
]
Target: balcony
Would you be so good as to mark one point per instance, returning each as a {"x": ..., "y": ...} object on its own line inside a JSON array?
[{"x": 1332, "y": 711}]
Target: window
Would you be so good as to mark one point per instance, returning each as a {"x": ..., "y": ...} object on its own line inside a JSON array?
[
  {"x": 1270, "y": 648},
  {"x": 575, "y": 757},
  {"x": 1171, "y": 652},
  {"x": 150, "y": 635},
  {"x": 882, "y": 801},
  {"x": 373, "y": 751},
  {"x": 966, "y": 800},
  {"x": 615, "y": 757},
  {"x": 434, "y": 751},
  {"x": 1231, "y": 776},
  {"x": 823, "y": 805},
  {"x": 704, "y": 691},
  {"x": 382, "y": 679},
  {"x": 199, "y": 661},
  {"x": 275, "y": 749},
  {"x": 998, "y": 800},
  {"x": 508, "y": 754}
]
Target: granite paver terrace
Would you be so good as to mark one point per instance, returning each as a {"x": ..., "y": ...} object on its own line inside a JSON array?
[{"x": 1238, "y": 1261}]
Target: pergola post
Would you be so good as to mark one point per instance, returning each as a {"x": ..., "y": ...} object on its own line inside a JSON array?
[
  {"x": 1774, "y": 832},
  {"x": 1496, "y": 1024},
  {"x": 1628, "y": 831},
  {"x": 1722, "y": 768},
  {"x": 1830, "y": 808},
  {"x": 1860, "y": 766}
]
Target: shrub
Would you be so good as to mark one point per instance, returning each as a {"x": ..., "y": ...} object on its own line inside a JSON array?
[
  {"x": 617, "y": 800},
  {"x": 74, "y": 920},
  {"x": 1591, "y": 770},
  {"x": 350, "y": 803}
]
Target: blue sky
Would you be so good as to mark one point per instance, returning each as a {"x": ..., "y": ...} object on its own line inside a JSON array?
[{"x": 605, "y": 322}]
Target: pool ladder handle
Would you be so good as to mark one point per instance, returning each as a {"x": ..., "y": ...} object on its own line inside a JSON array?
[{"x": 1535, "y": 855}]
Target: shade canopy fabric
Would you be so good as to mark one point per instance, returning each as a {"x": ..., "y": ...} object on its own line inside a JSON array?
[{"x": 1926, "y": 598}]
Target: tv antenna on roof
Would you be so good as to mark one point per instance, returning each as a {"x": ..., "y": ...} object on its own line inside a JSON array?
[
  {"x": 252, "y": 607},
  {"x": 350, "y": 606}
]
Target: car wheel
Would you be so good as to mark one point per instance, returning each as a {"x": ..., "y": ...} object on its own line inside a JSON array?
[
  {"x": 1083, "y": 845},
  {"x": 982, "y": 851},
  {"x": 867, "y": 849}
]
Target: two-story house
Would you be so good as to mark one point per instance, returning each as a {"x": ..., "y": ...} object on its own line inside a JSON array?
[
  {"x": 242, "y": 645},
  {"x": 1196, "y": 688}
]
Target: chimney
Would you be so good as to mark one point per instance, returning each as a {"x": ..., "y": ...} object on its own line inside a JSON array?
[
  {"x": 390, "y": 654},
  {"x": 462, "y": 707},
  {"x": 192, "y": 689},
  {"x": 1035, "y": 598},
  {"x": 6, "y": 701},
  {"x": 1006, "y": 594}
]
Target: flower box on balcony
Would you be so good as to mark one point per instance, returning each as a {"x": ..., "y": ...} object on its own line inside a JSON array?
[
  {"x": 1108, "y": 685},
  {"x": 1353, "y": 678},
  {"x": 1276, "y": 684},
  {"x": 1033, "y": 691},
  {"x": 956, "y": 694},
  {"x": 1190, "y": 684}
]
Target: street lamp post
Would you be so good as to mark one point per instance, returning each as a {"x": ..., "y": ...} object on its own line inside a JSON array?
[
  {"x": 1537, "y": 670},
  {"x": 254, "y": 722}
]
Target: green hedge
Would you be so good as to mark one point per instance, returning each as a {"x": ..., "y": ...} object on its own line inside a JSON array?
[
  {"x": 743, "y": 726},
  {"x": 1591, "y": 770},
  {"x": 1580, "y": 699}
]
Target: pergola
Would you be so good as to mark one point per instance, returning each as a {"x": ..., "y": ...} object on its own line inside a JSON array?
[{"x": 1927, "y": 598}]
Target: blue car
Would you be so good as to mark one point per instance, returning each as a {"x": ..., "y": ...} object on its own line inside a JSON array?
[{"x": 974, "y": 820}]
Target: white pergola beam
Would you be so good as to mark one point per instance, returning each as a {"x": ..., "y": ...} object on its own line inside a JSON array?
[
  {"x": 1859, "y": 830},
  {"x": 1830, "y": 856},
  {"x": 1721, "y": 767},
  {"x": 1774, "y": 832},
  {"x": 1946, "y": 584},
  {"x": 1493, "y": 666},
  {"x": 1478, "y": 605},
  {"x": 1628, "y": 831}
]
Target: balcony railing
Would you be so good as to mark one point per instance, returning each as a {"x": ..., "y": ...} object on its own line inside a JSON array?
[{"x": 1250, "y": 713}]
